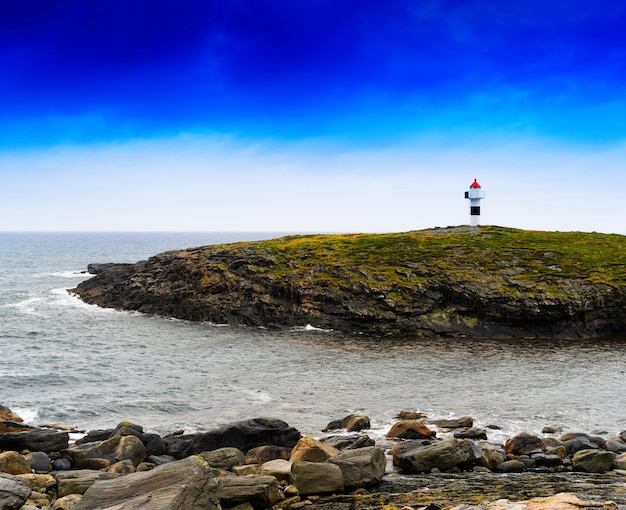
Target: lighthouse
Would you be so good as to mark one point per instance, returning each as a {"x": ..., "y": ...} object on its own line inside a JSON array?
[{"x": 475, "y": 195}]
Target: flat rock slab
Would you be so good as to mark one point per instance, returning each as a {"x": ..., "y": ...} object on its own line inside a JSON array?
[
  {"x": 188, "y": 484},
  {"x": 13, "y": 492}
]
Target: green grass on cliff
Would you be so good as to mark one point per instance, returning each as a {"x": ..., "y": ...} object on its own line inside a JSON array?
[{"x": 468, "y": 253}]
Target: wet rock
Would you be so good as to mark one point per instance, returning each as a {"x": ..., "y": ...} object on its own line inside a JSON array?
[
  {"x": 35, "y": 440},
  {"x": 410, "y": 415},
  {"x": 99, "y": 455},
  {"x": 14, "y": 426},
  {"x": 547, "y": 460},
  {"x": 312, "y": 450},
  {"x": 362, "y": 467},
  {"x": 257, "y": 490},
  {"x": 349, "y": 442},
  {"x": 620, "y": 461},
  {"x": 593, "y": 461},
  {"x": 443, "y": 455},
  {"x": 579, "y": 443},
  {"x": 78, "y": 481},
  {"x": 123, "y": 467},
  {"x": 352, "y": 423},
  {"x": 13, "y": 492},
  {"x": 7, "y": 415},
  {"x": 510, "y": 466},
  {"x": 278, "y": 468},
  {"x": 38, "y": 482},
  {"x": 615, "y": 445},
  {"x": 13, "y": 463},
  {"x": 243, "y": 435},
  {"x": 67, "y": 502},
  {"x": 524, "y": 444},
  {"x": 317, "y": 477},
  {"x": 471, "y": 433},
  {"x": 224, "y": 458},
  {"x": 407, "y": 446},
  {"x": 410, "y": 429},
  {"x": 187, "y": 484},
  {"x": 491, "y": 457},
  {"x": 454, "y": 423},
  {"x": 39, "y": 462},
  {"x": 61, "y": 464},
  {"x": 262, "y": 454}
]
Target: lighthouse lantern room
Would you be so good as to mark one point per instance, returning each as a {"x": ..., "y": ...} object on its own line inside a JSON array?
[{"x": 475, "y": 195}]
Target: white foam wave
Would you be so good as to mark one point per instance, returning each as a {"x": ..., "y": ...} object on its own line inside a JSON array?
[
  {"x": 27, "y": 306},
  {"x": 309, "y": 327}
]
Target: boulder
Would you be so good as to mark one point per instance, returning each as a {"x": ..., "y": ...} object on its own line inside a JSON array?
[
  {"x": 470, "y": 433},
  {"x": 454, "y": 423},
  {"x": 35, "y": 440},
  {"x": 154, "y": 443},
  {"x": 547, "y": 460},
  {"x": 38, "y": 482},
  {"x": 243, "y": 435},
  {"x": 7, "y": 415},
  {"x": 262, "y": 454},
  {"x": 524, "y": 444},
  {"x": 352, "y": 423},
  {"x": 278, "y": 468},
  {"x": 67, "y": 502},
  {"x": 599, "y": 441},
  {"x": 123, "y": 467},
  {"x": 13, "y": 463},
  {"x": 410, "y": 415},
  {"x": 407, "y": 446},
  {"x": 510, "y": 466},
  {"x": 317, "y": 477},
  {"x": 349, "y": 442},
  {"x": 186, "y": 484},
  {"x": 620, "y": 461},
  {"x": 39, "y": 462},
  {"x": 257, "y": 490},
  {"x": 593, "y": 461},
  {"x": 78, "y": 481},
  {"x": 312, "y": 450},
  {"x": 410, "y": 429},
  {"x": 13, "y": 492},
  {"x": 443, "y": 456},
  {"x": 579, "y": 443},
  {"x": 615, "y": 445},
  {"x": 362, "y": 467},
  {"x": 38, "y": 500},
  {"x": 99, "y": 455},
  {"x": 224, "y": 458},
  {"x": 491, "y": 457}
]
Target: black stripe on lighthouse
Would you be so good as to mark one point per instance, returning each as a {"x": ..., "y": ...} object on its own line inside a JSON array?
[{"x": 475, "y": 210}]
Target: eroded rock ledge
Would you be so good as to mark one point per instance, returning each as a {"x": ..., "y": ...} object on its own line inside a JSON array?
[{"x": 486, "y": 282}]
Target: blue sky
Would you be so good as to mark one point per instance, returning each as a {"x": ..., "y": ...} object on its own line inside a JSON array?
[{"x": 275, "y": 115}]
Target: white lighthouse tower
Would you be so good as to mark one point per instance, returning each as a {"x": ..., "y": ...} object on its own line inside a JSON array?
[{"x": 475, "y": 195}]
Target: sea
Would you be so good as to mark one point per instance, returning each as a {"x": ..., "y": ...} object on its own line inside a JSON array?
[{"x": 63, "y": 361}]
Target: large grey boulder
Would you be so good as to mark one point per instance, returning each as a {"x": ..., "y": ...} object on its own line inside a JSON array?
[
  {"x": 36, "y": 440},
  {"x": 259, "y": 491},
  {"x": 243, "y": 435},
  {"x": 362, "y": 467},
  {"x": 443, "y": 455},
  {"x": 317, "y": 477},
  {"x": 188, "y": 484},
  {"x": 102, "y": 454},
  {"x": 13, "y": 492},
  {"x": 79, "y": 480},
  {"x": 224, "y": 458},
  {"x": 593, "y": 460}
]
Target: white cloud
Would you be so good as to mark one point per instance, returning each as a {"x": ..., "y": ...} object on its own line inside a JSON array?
[{"x": 207, "y": 183}]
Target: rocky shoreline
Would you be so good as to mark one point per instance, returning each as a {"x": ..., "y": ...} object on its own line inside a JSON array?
[{"x": 265, "y": 463}]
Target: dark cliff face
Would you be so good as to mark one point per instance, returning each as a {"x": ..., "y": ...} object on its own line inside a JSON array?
[{"x": 300, "y": 281}]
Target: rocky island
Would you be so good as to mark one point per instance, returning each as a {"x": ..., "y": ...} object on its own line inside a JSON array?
[{"x": 458, "y": 281}]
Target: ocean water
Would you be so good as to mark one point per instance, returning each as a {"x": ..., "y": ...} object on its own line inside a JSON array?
[{"x": 64, "y": 361}]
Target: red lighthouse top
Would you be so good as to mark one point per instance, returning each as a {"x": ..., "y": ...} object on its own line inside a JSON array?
[{"x": 474, "y": 184}]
